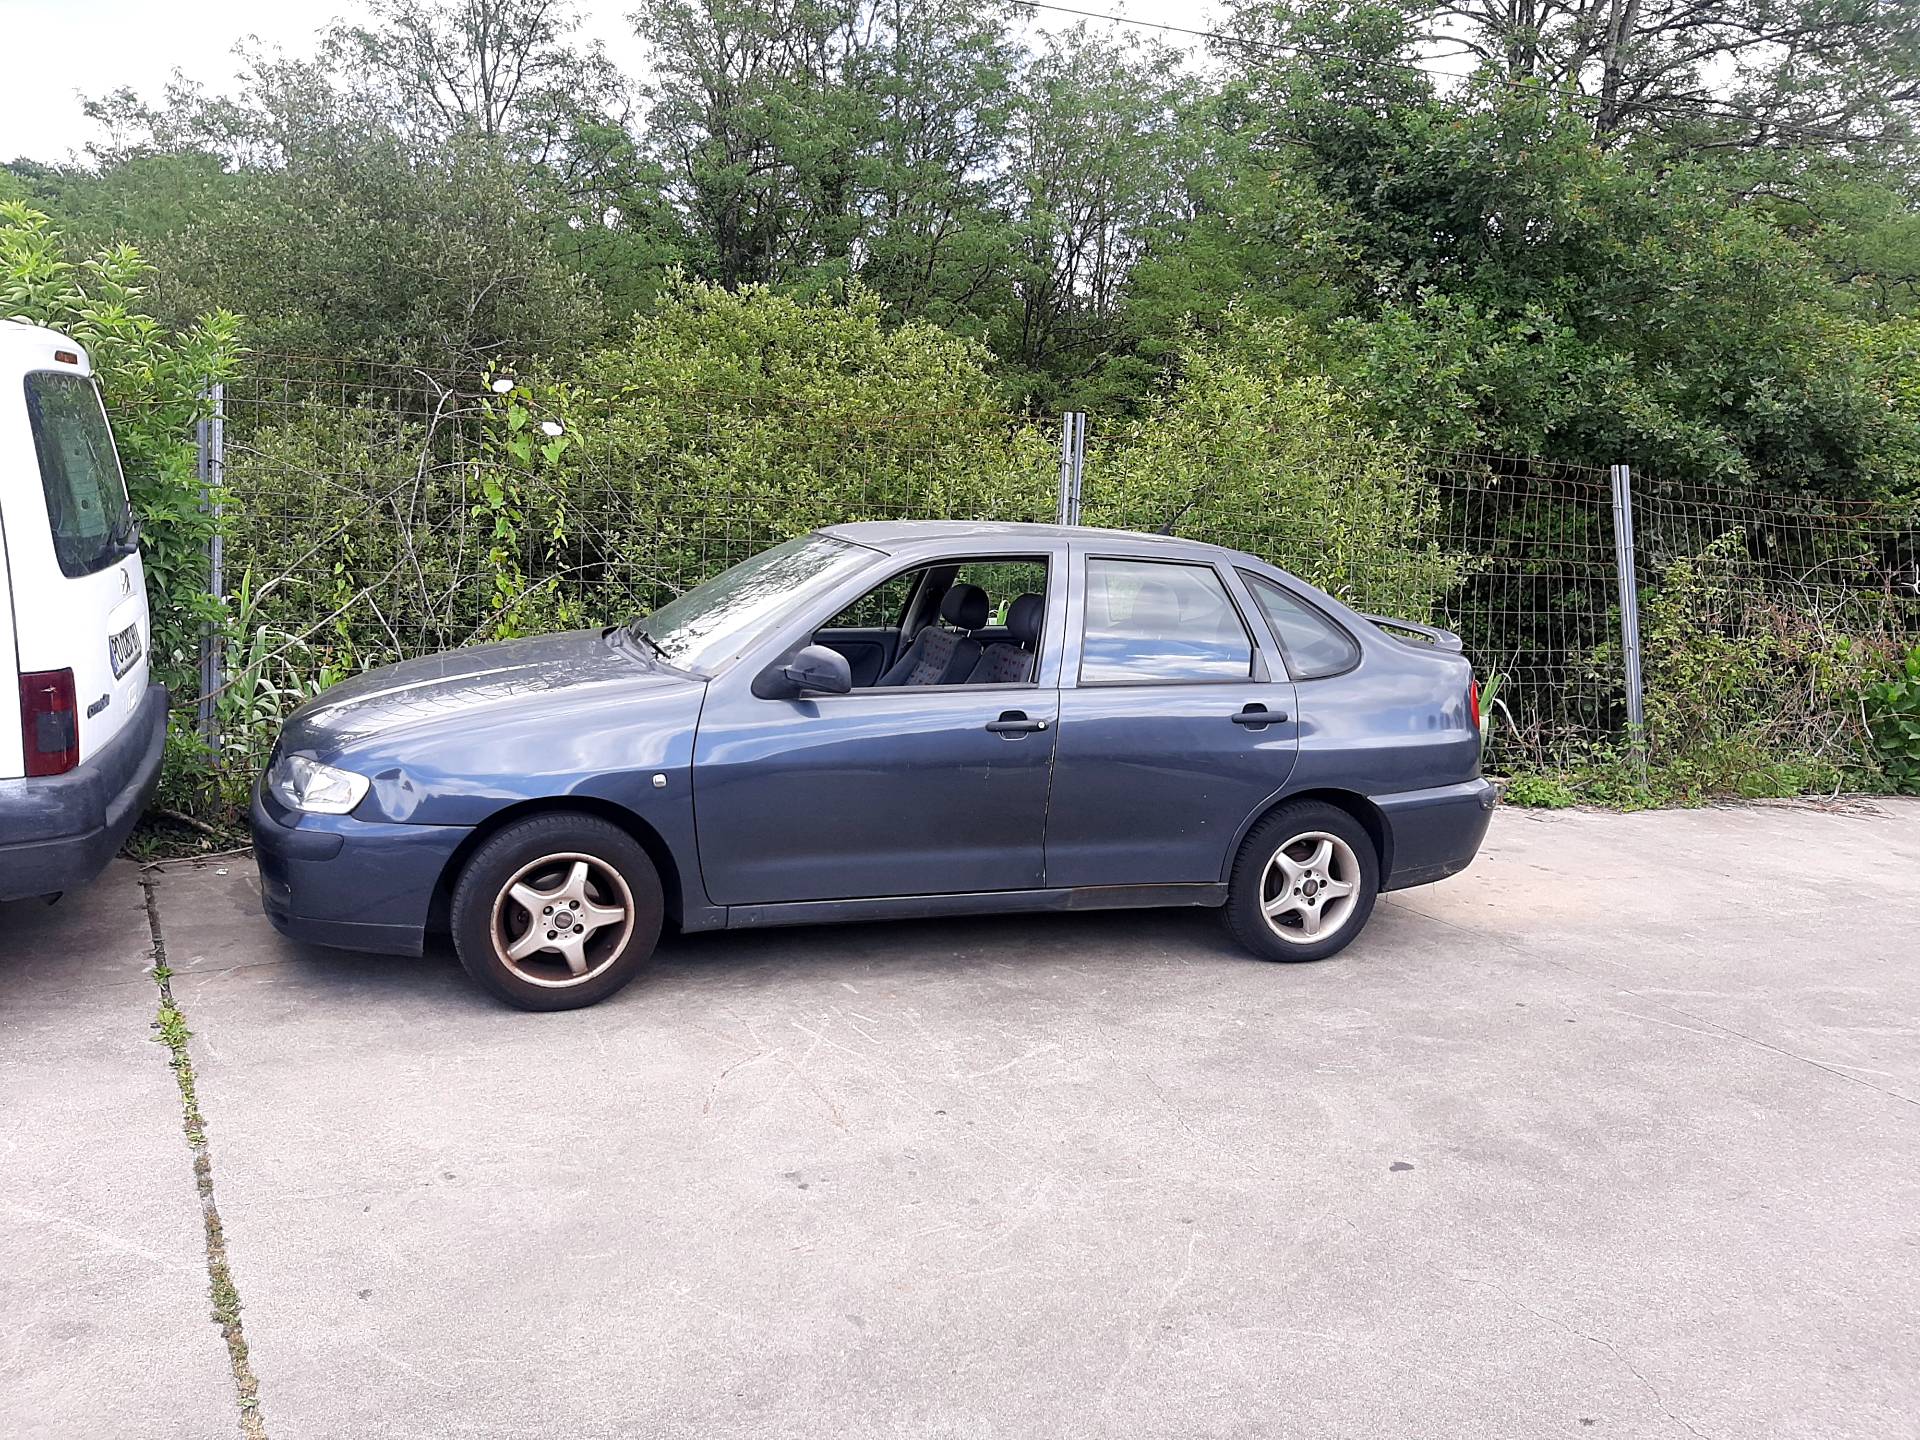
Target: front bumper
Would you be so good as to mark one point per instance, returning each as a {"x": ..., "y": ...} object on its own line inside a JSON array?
[
  {"x": 352, "y": 884},
  {"x": 59, "y": 831},
  {"x": 1435, "y": 833}
]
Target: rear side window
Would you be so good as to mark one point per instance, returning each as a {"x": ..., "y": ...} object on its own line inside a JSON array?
[
  {"x": 1315, "y": 647},
  {"x": 1153, "y": 621},
  {"x": 86, "y": 498}
]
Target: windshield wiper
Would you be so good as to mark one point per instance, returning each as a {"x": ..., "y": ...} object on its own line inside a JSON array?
[{"x": 654, "y": 645}]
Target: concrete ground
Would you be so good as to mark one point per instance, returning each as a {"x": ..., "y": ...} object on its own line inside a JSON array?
[{"x": 1614, "y": 1135}]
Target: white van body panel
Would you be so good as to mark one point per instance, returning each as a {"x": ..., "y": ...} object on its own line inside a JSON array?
[
  {"x": 12, "y": 759},
  {"x": 59, "y": 621}
]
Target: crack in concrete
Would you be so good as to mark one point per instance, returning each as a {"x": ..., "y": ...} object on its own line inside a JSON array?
[
  {"x": 1514, "y": 952},
  {"x": 171, "y": 1022},
  {"x": 1577, "y": 1333}
]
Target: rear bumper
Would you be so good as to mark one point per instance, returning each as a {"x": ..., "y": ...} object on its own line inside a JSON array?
[
  {"x": 1436, "y": 833},
  {"x": 352, "y": 884},
  {"x": 59, "y": 831}
]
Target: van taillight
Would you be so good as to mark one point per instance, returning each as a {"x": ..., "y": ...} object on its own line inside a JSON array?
[
  {"x": 49, "y": 723},
  {"x": 1473, "y": 700}
]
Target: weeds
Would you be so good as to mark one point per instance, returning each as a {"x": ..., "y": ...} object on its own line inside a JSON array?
[{"x": 171, "y": 1023}]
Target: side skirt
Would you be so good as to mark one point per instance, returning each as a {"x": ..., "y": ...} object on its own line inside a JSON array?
[{"x": 987, "y": 902}]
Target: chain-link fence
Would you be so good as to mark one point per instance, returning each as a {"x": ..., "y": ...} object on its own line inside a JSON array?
[{"x": 374, "y": 513}]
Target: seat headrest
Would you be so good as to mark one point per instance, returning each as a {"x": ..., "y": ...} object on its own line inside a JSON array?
[
  {"x": 1024, "y": 616},
  {"x": 965, "y": 606}
]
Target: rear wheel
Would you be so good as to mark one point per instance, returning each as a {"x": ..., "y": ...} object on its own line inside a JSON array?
[
  {"x": 1303, "y": 884},
  {"x": 557, "y": 911}
]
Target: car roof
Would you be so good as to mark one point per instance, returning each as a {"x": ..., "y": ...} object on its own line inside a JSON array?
[
  {"x": 891, "y": 535},
  {"x": 24, "y": 343}
]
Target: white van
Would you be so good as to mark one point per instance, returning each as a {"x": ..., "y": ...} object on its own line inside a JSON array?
[{"x": 81, "y": 753}]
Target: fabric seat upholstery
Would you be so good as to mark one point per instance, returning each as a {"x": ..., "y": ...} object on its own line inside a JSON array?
[
  {"x": 1011, "y": 663},
  {"x": 939, "y": 656}
]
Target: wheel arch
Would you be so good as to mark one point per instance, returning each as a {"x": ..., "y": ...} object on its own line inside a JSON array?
[
  {"x": 1369, "y": 816},
  {"x": 644, "y": 835}
]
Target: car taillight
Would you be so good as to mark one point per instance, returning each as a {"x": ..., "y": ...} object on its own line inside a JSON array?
[
  {"x": 49, "y": 723},
  {"x": 1473, "y": 700}
]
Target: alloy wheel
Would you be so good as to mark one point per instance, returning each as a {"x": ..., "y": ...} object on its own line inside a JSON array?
[
  {"x": 1310, "y": 887},
  {"x": 562, "y": 919}
]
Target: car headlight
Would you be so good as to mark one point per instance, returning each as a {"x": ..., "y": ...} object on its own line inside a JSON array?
[{"x": 302, "y": 783}]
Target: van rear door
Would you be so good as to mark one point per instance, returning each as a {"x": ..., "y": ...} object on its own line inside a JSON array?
[{"x": 79, "y": 594}]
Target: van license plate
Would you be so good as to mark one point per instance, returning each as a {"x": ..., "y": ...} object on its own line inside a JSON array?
[{"x": 124, "y": 650}]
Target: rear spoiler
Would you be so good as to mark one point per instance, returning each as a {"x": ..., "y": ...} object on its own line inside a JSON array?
[{"x": 1432, "y": 634}]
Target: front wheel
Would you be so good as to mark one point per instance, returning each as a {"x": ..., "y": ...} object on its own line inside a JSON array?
[
  {"x": 557, "y": 911},
  {"x": 1303, "y": 884}
]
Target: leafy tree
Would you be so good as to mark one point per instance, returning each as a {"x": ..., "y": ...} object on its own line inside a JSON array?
[
  {"x": 501, "y": 69},
  {"x": 300, "y": 203},
  {"x": 1697, "y": 73},
  {"x": 934, "y": 183},
  {"x": 1097, "y": 151},
  {"x": 756, "y": 123}
]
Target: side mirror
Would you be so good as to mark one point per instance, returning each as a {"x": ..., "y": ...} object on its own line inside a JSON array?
[{"x": 812, "y": 667}]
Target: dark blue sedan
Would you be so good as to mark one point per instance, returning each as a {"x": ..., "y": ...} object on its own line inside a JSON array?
[{"x": 876, "y": 721}]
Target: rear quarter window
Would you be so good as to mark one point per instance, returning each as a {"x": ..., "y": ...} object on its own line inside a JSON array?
[
  {"x": 87, "y": 508},
  {"x": 1315, "y": 647}
]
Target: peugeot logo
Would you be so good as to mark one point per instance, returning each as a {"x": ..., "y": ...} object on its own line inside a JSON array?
[{"x": 126, "y": 584}]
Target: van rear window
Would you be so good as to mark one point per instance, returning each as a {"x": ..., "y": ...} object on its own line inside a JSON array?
[{"x": 87, "y": 506}]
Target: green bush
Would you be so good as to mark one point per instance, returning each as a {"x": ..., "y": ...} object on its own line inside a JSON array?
[
  {"x": 728, "y": 421},
  {"x": 1893, "y": 721},
  {"x": 1247, "y": 451},
  {"x": 1749, "y": 692},
  {"x": 1538, "y": 792}
]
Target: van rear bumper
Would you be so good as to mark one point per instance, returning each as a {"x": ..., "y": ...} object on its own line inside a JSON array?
[{"x": 59, "y": 831}]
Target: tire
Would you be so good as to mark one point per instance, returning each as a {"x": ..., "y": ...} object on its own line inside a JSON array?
[
  {"x": 585, "y": 882},
  {"x": 1308, "y": 926}
]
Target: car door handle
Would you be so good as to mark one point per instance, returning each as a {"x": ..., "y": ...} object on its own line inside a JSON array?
[
  {"x": 1257, "y": 716},
  {"x": 1015, "y": 723}
]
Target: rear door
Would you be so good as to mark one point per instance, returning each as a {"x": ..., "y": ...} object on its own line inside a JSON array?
[
  {"x": 79, "y": 595},
  {"x": 1175, "y": 724}
]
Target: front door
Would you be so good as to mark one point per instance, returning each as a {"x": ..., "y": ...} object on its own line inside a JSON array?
[
  {"x": 882, "y": 792},
  {"x": 889, "y": 790},
  {"x": 1173, "y": 730}
]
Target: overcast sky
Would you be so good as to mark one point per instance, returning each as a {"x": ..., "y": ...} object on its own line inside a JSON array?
[{"x": 60, "y": 49}]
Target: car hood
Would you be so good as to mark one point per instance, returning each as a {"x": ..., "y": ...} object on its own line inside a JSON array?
[{"x": 544, "y": 674}]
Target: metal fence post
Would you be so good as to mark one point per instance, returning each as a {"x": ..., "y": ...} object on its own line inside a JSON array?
[
  {"x": 1623, "y": 554},
  {"x": 1066, "y": 468},
  {"x": 1073, "y": 456},
  {"x": 1079, "y": 464},
  {"x": 210, "y": 440}
]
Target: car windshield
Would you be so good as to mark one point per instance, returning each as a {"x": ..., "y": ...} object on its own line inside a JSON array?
[
  {"x": 713, "y": 622},
  {"x": 86, "y": 498}
]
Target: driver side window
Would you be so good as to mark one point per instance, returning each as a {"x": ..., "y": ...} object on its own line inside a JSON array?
[{"x": 957, "y": 622}]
